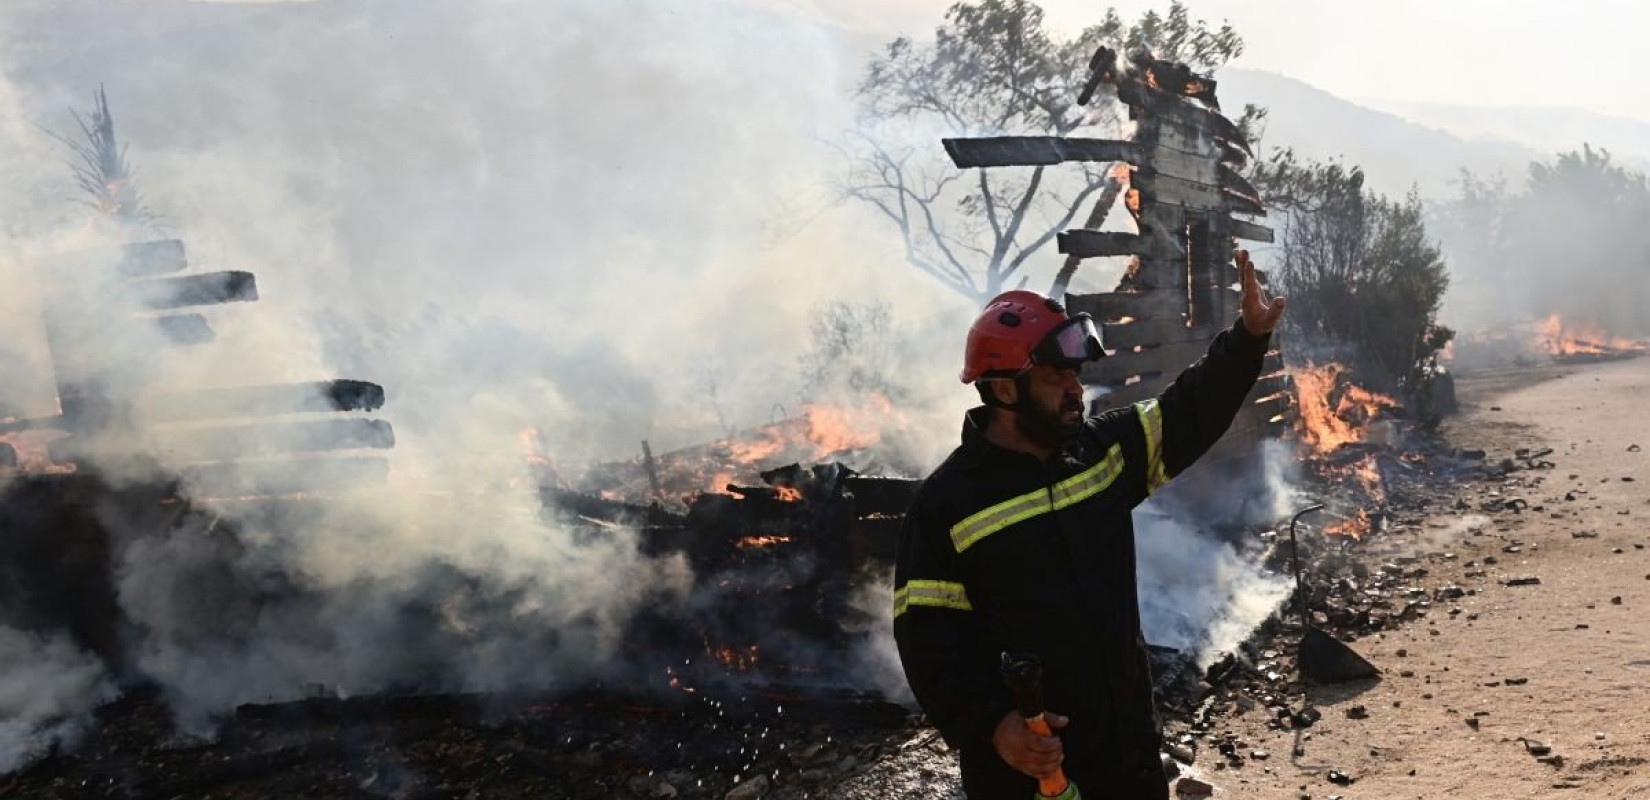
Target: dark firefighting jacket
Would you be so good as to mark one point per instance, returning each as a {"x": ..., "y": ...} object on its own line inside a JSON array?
[{"x": 1003, "y": 552}]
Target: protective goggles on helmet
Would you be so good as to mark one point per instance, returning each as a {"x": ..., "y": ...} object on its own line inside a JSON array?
[{"x": 1076, "y": 340}]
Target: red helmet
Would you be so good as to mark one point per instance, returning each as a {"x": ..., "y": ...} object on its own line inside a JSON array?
[{"x": 1019, "y": 329}]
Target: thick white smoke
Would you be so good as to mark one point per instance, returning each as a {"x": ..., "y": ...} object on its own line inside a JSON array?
[
  {"x": 47, "y": 687},
  {"x": 575, "y": 217},
  {"x": 1201, "y": 592},
  {"x": 571, "y": 217}
]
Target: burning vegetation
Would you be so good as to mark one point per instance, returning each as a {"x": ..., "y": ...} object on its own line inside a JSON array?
[{"x": 1582, "y": 341}]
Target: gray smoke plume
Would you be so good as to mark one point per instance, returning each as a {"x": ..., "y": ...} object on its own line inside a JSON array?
[
  {"x": 47, "y": 687},
  {"x": 560, "y": 217},
  {"x": 569, "y": 217},
  {"x": 1203, "y": 591}
]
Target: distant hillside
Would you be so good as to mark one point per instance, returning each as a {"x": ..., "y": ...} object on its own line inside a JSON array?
[
  {"x": 1546, "y": 129},
  {"x": 1395, "y": 153}
]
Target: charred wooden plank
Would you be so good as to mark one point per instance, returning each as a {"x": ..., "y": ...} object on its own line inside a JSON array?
[
  {"x": 1111, "y": 306},
  {"x": 1227, "y": 130},
  {"x": 1181, "y": 137},
  {"x": 1150, "y": 332},
  {"x": 1102, "y": 70},
  {"x": 1178, "y": 79},
  {"x": 600, "y": 508},
  {"x": 1268, "y": 407},
  {"x": 1170, "y": 190},
  {"x": 257, "y": 401},
  {"x": 285, "y": 476},
  {"x": 1091, "y": 244},
  {"x": 225, "y": 442},
  {"x": 1232, "y": 155},
  {"x": 1032, "y": 151},
  {"x": 1237, "y": 184},
  {"x": 185, "y": 329},
  {"x": 204, "y": 289},
  {"x": 1196, "y": 167},
  {"x": 880, "y": 495},
  {"x": 1248, "y": 230},
  {"x": 1168, "y": 359}
]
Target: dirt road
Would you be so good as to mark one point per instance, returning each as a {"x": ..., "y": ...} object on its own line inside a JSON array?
[{"x": 1565, "y": 662}]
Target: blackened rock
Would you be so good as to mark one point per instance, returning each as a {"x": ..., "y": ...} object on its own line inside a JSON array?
[
  {"x": 1192, "y": 787},
  {"x": 1340, "y": 778},
  {"x": 752, "y": 789},
  {"x": 1529, "y": 580},
  {"x": 1306, "y": 717},
  {"x": 1357, "y": 712},
  {"x": 1537, "y": 748},
  {"x": 1171, "y": 768},
  {"x": 1184, "y": 754}
]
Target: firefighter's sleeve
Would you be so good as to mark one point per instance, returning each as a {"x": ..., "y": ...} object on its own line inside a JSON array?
[
  {"x": 951, "y": 670},
  {"x": 1189, "y": 417}
]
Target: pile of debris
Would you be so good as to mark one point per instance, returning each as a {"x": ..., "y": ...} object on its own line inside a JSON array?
[{"x": 714, "y": 742}]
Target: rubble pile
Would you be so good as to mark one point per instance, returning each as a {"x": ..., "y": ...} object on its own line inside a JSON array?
[{"x": 714, "y": 742}]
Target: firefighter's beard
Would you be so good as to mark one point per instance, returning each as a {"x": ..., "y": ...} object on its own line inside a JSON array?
[{"x": 1050, "y": 426}]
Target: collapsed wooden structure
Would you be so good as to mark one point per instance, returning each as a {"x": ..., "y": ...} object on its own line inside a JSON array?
[
  {"x": 111, "y": 314},
  {"x": 1183, "y": 190}
]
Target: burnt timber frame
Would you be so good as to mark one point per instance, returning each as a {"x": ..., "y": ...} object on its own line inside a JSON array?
[
  {"x": 1184, "y": 188},
  {"x": 250, "y": 444}
]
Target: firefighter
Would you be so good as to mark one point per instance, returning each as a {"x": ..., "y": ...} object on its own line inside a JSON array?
[{"x": 1021, "y": 541}]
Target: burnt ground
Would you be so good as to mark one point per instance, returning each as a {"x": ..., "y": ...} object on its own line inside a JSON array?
[
  {"x": 1529, "y": 683},
  {"x": 1481, "y": 670},
  {"x": 597, "y": 744}
]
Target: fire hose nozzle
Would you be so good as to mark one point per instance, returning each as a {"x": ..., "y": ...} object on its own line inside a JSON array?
[{"x": 1023, "y": 673}]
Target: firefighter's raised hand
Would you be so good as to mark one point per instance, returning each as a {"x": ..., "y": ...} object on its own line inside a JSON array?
[
  {"x": 1260, "y": 311},
  {"x": 1034, "y": 755}
]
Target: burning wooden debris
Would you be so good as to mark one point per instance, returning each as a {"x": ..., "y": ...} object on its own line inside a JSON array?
[
  {"x": 1578, "y": 342},
  {"x": 1178, "y": 177}
]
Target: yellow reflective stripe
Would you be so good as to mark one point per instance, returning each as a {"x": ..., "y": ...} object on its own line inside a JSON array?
[
  {"x": 1151, "y": 418},
  {"x": 994, "y": 518},
  {"x": 1089, "y": 482},
  {"x": 935, "y": 594},
  {"x": 1072, "y": 490}
]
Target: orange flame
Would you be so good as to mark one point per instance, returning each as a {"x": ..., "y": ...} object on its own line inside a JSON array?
[
  {"x": 735, "y": 658},
  {"x": 1560, "y": 339},
  {"x": 1333, "y": 412},
  {"x": 756, "y": 451},
  {"x": 788, "y": 494},
  {"x": 1355, "y": 527},
  {"x": 837, "y": 429},
  {"x": 759, "y": 541}
]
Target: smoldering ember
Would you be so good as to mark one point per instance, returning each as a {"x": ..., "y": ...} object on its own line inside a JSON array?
[{"x": 492, "y": 399}]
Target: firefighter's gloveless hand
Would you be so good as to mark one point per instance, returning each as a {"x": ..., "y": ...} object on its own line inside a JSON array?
[
  {"x": 1037, "y": 756},
  {"x": 1260, "y": 311}
]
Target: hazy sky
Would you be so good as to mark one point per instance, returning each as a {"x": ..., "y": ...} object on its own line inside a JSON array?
[{"x": 1587, "y": 54}]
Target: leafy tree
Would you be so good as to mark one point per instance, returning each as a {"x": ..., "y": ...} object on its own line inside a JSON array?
[
  {"x": 1571, "y": 241},
  {"x": 994, "y": 69},
  {"x": 1359, "y": 268}
]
